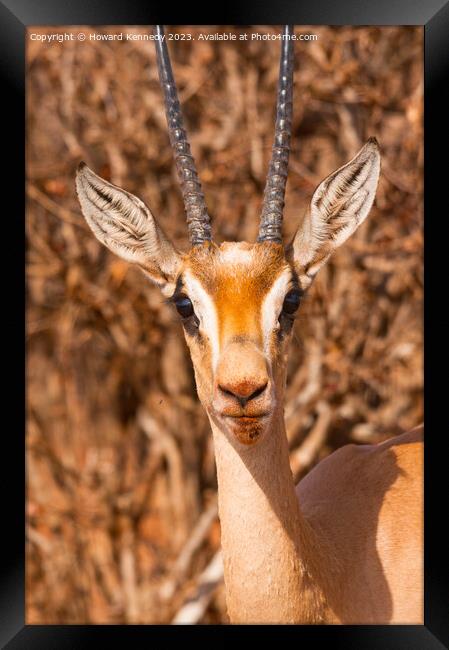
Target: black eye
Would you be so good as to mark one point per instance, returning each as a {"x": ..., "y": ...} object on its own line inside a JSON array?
[
  {"x": 184, "y": 306},
  {"x": 291, "y": 301}
]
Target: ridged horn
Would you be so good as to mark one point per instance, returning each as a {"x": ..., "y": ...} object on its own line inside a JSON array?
[
  {"x": 273, "y": 201},
  {"x": 198, "y": 220}
]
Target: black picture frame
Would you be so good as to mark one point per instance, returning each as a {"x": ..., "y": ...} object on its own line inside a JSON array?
[{"x": 15, "y": 17}]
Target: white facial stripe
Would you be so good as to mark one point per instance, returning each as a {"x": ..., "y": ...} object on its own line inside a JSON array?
[
  {"x": 205, "y": 310},
  {"x": 272, "y": 305}
]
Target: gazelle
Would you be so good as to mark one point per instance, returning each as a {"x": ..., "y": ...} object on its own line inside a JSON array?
[{"x": 345, "y": 545}]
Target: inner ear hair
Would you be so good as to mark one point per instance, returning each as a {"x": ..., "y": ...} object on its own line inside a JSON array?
[
  {"x": 339, "y": 205},
  {"x": 124, "y": 224}
]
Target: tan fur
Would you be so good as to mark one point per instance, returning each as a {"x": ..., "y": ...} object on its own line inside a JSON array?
[
  {"x": 262, "y": 537},
  {"x": 237, "y": 289},
  {"x": 346, "y": 545},
  {"x": 367, "y": 503},
  {"x": 237, "y": 286}
]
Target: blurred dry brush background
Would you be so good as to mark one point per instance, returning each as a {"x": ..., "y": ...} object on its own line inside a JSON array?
[{"x": 121, "y": 490}]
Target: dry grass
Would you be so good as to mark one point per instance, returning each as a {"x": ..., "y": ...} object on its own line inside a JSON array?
[{"x": 121, "y": 510}]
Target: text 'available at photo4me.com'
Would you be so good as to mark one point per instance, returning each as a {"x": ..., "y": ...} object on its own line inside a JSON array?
[{"x": 59, "y": 37}]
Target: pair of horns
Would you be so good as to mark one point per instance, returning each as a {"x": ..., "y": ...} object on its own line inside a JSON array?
[{"x": 198, "y": 219}]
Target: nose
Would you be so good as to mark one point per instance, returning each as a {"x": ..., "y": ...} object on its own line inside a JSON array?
[
  {"x": 242, "y": 372},
  {"x": 243, "y": 391}
]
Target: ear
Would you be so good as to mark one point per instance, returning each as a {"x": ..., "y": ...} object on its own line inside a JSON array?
[
  {"x": 339, "y": 205},
  {"x": 124, "y": 224}
]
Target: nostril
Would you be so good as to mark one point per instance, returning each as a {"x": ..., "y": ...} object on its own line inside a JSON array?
[
  {"x": 258, "y": 391},
  {"x": 226, "y": 391},
  {"x": 237, "y": 392}
]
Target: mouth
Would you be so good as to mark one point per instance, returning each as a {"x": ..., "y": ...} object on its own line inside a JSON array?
[
  {"x": 248, "y": 429},
  {"x": 247, "y": 418}
]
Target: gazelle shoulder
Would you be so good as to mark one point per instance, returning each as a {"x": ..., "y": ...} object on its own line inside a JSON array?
[{"x": 355, "y": 472}]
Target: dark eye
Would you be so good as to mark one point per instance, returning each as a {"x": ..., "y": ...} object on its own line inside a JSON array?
[
  {"x": 291, "y": 301},
  {"x": 184, "y": 306}
]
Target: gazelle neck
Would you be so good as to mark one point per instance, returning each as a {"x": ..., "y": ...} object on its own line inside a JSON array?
[{"x": 265, "y": 540}]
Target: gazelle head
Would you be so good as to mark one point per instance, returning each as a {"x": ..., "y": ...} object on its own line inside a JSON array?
[{"x": 237, "y": 301}]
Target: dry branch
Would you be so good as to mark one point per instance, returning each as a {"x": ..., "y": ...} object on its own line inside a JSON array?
[
  {"x": 193, "y": 610},
  {"x": 192, "y": 545}
]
